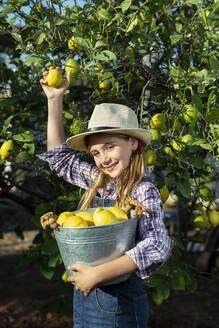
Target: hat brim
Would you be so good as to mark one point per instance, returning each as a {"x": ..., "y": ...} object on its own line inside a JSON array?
[{"x": 77, "y": 142}]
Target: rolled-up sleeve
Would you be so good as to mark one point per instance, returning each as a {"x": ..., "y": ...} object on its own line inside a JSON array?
[
  {"x": 69, "y": 166},
  {"x": 153, "y": 246}
]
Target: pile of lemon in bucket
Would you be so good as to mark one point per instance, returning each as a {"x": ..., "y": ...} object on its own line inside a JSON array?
[{"x": 82, "y": 219}]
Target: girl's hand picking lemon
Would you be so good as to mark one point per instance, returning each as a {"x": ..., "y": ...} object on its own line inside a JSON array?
[{"x": 52, "y": 91}]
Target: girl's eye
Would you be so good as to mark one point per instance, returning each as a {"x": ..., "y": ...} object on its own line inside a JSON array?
[{"x": 110, "y": 147}]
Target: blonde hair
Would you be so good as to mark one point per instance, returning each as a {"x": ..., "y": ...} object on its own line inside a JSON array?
[{"x": 126, "y": 184}]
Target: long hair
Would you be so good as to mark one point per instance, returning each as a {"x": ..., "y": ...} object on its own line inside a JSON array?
[{"x": 126, "y": 183}]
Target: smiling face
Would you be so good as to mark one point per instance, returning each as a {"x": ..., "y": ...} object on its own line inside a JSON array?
[{"x": 111, "y": 153}]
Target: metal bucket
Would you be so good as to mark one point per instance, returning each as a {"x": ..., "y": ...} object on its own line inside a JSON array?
[{"x": 96, "y": 245}]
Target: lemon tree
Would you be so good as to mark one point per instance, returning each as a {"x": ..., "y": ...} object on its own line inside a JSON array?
[{"x": 158, "y": 57}]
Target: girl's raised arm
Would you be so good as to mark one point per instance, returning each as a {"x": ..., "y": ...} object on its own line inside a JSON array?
[{"x": 55, "y": 129}]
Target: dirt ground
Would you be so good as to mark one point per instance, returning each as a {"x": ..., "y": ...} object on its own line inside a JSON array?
[{"x": 23, "y": 293}]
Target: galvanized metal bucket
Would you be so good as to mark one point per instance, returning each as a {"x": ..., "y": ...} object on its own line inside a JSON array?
[{"x": 95, "y": 245}]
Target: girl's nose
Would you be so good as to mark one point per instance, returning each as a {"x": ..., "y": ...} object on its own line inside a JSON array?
[{"x": 105, "y": 159}]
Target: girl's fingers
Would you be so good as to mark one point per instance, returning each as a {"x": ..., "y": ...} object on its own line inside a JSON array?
[{"x": 45, "y": 73}]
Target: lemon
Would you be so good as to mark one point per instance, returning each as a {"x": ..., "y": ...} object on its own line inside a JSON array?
[
  {"x": 118, "y": 212},
  {"x": 72, "y": 66},
  {"x": 87, "y": 216},
  {"x": 6, "y": 149},
  {"x": 150, "y": 157},
  {"x": 65, "y": 276},
  {"x": 187, "y": 139},
  {"x": 200, "y": 223},
  {"x": 72, "y": 44},
  {"x": 54, "y": 78},
  {"x": 176, "y": 146},
  {"x": 155, "y": 134},
  {"x": 102, "y": 217},
  {"x": 205, "y": 192},
  {"x": 158, "y": 122},
  {"x": 63, "y": 216},
  {"x": 164, "y": 193},
  {"x": 74, "y": 221},
  {"x": 104, "y": 86},
  {"x": 168, "y": 151},
  {"x": 190, "y": 113},
  {"x": 214, "y": 218}
]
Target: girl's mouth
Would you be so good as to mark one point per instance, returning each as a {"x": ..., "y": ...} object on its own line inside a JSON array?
[{"x": 110, "y": 168}]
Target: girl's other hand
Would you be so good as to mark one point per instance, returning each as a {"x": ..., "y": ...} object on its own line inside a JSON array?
[
  {"x": 85, "y": 279},
  {"x": 55, "y": 92}
]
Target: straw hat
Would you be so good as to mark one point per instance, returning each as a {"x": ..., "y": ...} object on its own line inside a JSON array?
[{"x": 111, "y": 118}]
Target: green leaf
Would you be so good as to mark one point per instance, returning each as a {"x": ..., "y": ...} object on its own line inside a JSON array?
[
  {"x": 50, "y": 247},
  {"x": 103, "y": 14},
  {"x": 178, "y": 282},
  {"x": 197, "y": 162},
  {"x": 12, "y": 20},
  {"x": 46, "y": 271},
  {"x": 133, "y": 24},
  {"x": 54, "y": 260},
  {"x": 213, "y": 116},
  {"x": 43, "y": 208},
  {"x": 125, "y": 5},
  {"x": 107, "y": 77},
  {"x": 16, "y": 36},
  {"x": 105, "y": 55},
  {"x": 197, "y": 102},
  {"x": 99, "y": 44},
  {"x": 175, "y": 38},
  {"x": 191, "y": 2},
  {"x": 214, "y": 63},
  {"x": 160, "y": 293},
  {"x": 41, "y": 38},
  {"x": 25, "y": 136},
  {"x": 29, "y": 147},
  {"x": 23, "y": 157},
  {"x": 59, "y": 20},
  {"x": 184, "y": 188},
  {"x": 154, "y": 280},
  {"x": 33, "y": 60}
]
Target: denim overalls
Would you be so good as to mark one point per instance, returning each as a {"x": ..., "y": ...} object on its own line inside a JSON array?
[{"x": 122, "y": 305}]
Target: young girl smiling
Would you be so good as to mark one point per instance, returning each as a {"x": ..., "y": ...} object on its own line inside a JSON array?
[{"x": 116, "y": 143}]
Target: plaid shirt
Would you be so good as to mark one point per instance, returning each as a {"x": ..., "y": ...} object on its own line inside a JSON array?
[{"x": 153, "y": 245}]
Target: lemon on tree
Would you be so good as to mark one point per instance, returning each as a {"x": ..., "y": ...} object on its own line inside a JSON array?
[
  {"x": 72, "y": 44},
  {"x": 176, "y": 146},
  {"x": 65, "y": 276},
  {"x": 6, "y": 149},
  {"x": 164, "y": 193},
  {"x": 104, "y": 86},
  {"x": 102, "y": 217},
  {"x": 150, "y": 157},
  {"x": 201, "y": 223},
  {"x": 158, "y": 122},
  {"x": 118, "y": 212},
  {"x": 214, "y": 218},
  {"x": 54, "y": 78},
  {"x": 155, "y": 134},
  {"x": 190, "y": 114},
  {"x": 87, "y": 216},
  {"x": 73, "y": 66},
  {"x": 168, "y": 151}
]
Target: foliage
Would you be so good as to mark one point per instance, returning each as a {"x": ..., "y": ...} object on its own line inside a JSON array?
[{"x": 155, "y": 56}]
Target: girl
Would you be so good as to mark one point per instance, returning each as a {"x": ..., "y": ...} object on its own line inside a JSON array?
[{"x": 115, "y": 142}]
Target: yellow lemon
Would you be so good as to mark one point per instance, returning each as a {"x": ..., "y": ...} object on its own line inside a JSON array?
[
  {"x": 65, "y": 276},
  {"x": 164, "y": 193},
  {"x": 155, "y": 134},
  {"x": 190, "y": 113},
  {"x": 72, "y": 66},
  {"x": 102, "y": 217},
  {"x": 168, "y": 151},
  {"x": 104, "y": 86},
  {"x": 201, "y": 223},
  {"x": 87, "y": 216},
  {"x": 74, "y": 221},
  {"x": 150, "y": 157},
  {"x": 6, "y": 149},
  {"x": 72, "y": 44},
  {"x": 214, "y": 218},
  {"x": 62, "y": 217},
  {"x": 176, "y": 146},
  {"x": 158, "y": 122},
  {"x": 118, "y": 212},
  {"x": 54, "y": 78}
]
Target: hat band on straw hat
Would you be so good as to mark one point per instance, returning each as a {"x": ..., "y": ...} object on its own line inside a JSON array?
[{"x": 102, "y": 128}]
